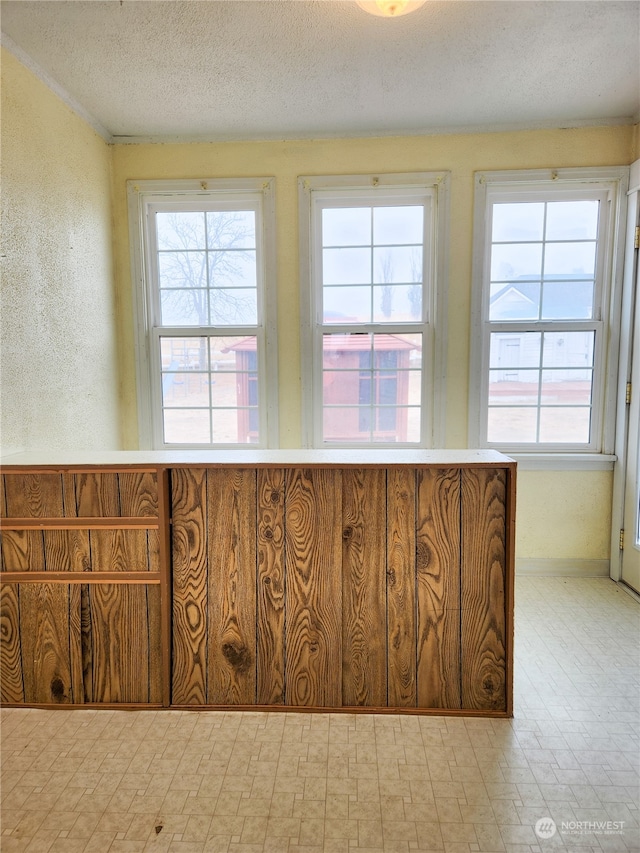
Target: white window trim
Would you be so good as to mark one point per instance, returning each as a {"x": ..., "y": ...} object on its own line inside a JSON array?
[
  {"x": 141, "y": 196},
  {"x": 488, "y": 186},
  {"x": 434, "y": 355}
]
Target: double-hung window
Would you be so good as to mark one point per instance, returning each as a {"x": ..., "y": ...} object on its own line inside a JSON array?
[
  {"x": 372, "y": 267},
  {"x": 203, "y": 262},
  {"x": 546, "y": 310}
]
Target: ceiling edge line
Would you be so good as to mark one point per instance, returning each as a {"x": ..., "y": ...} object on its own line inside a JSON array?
[{"x": 25, "y": 59}]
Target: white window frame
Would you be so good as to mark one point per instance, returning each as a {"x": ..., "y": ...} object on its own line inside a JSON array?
[
  {"x": 610, "y": 186},
  {"x": 144, "y": 199},
  {"x": 314, "y": 192}
]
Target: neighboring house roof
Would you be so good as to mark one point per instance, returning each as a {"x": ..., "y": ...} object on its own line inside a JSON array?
[
  {"x": 519, "y": 299},
  {"x": 333, "y": 342}
]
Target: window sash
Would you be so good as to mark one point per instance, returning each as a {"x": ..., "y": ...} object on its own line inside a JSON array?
[
  {"x": 320, "y": 193},
  {"x": 146, "y": 200},
  {"x": 570, "y": 185}
]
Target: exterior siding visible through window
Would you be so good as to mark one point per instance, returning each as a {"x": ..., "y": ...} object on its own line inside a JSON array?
[{"x": 546, "y": 287}]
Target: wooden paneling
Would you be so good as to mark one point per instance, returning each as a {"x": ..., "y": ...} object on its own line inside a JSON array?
[
  {"x": 364, "y": 596},
  {"x": 125, "y": 664},
  {"x": 401, "y": 586},
  {"x": 483, "y": 628},
  {"x": 438, "y": 588},
  {"x": 67, "y": 641},
  {"x": 33, "y": 495},
  {"x": 46, "y": 651},
  {"x": 270, "y": 587},
  {"x": 11, "y": 686},
  {"x": 231, "y": 516},
  {"x": 320, "y": 587},
  {"x": 313, "y": 619},
  {"x": 190, "y": 591}
]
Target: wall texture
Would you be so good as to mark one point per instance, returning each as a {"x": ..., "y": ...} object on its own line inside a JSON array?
[{"x": 58, "y": 350}]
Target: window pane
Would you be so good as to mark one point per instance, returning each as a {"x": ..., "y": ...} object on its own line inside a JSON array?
[
  {"x": 398, "y": 225},
  {"x": 512, "y": 425},
  {"x": 182, "y": 269},
  {"x": 370, "y": 383},
  {"x": 181, "y": 353},
  {"x": 233, "y": 353},
  {"x": 232, "y": 426},
  {"x": 397, "y": 303},
  {"x": 516, "y": 222},
  {"x": 565, "y": 387},
  {"x": 180, "y": 230},
  {"x": 184, "y": 307},
  {"x": 567, "y": 300},
  {"x": 514, "y": 350},
  {"x": 568, "y": 349},
  {"x": 572, "y": 220},
  {"x": 401, "y": 264},
  {"x": 513, "y": 387},
  {"x": 565, "y": 425},
  {"x": 346, "y": 226},
  {"x": 518, "y": 300},
  {"x": 185, "y": 390},
  {"x": 346, "y": 304},
  {"x": 231, "y": 229},
  {"x": 509, "y": 261},
  {"x": 233, "y": 306},
  {"x": 232, "y": 269},
  {"x": 570, "y": 259},
  {"x": 346, "y": 266},
  {"x": 186, "y": 426}
]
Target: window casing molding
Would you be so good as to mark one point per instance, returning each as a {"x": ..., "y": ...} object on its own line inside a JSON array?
[
  {"x": 145, "y": 199},
  {"x": 316, "y": 193},
  {"x": 608, "y": 185}
]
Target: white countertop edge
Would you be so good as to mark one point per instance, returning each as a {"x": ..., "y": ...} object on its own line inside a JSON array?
[{"x": 251, "y": 458}]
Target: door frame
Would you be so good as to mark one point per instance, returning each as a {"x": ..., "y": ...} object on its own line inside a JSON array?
[{"x": 629, "y": 306}]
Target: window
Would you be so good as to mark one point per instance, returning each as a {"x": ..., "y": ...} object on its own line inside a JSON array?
[
  {"x": 372, "y": 267},
  {"x": 203, "y": 257},
  {"x": 546, "y": 269}
]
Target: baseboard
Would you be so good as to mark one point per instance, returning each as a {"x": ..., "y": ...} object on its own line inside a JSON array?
[{"x": 563, "y": 568}]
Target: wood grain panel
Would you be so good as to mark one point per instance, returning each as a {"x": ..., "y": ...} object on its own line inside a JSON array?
[
  {"x": 44, "y": 634},
  {"x": 22, "y": 551},
  {"x": 364, "y": 599},
  {"x": 401, "y": 587},
  {"x": 33, "y": 495},
  {"x": 154, "y": 615},
  {"x": 231, "y": 514},
  {"x": 313, "y": 620},
  {"x": 66, "y": 550},
  {"x": 271, "y": 587},
  {"x": 138, "y": 493},
  {"x": 120, "y": 670},
  {"x": 483, "y": 588},
  {"x": 3, "y": 498},
  {"x": 438, "y": 587},
  {"x": 119, "y": 551},
  {"x": 11, "y": 686},
  {"x": 190, "y": 591},
  {"x": 75, "y": 644},
  {"x": 97, "y": 495}
]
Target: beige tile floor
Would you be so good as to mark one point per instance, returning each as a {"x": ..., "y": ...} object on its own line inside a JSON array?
[{"x": 98, "y": 781}]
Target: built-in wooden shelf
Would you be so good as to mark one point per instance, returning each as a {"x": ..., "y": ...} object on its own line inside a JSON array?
[{"x": 355, "y": 580}]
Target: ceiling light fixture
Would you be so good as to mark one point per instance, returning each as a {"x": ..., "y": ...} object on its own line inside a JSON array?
[{"x": 389, "y": 8}]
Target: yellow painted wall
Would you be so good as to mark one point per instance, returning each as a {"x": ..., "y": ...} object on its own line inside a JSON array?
[
  {"x": 58, "y": 346},
  {"x": 557, "y": 518}
]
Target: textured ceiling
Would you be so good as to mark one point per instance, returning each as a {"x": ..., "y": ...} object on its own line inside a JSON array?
[{"x": 239, "y": 69}]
